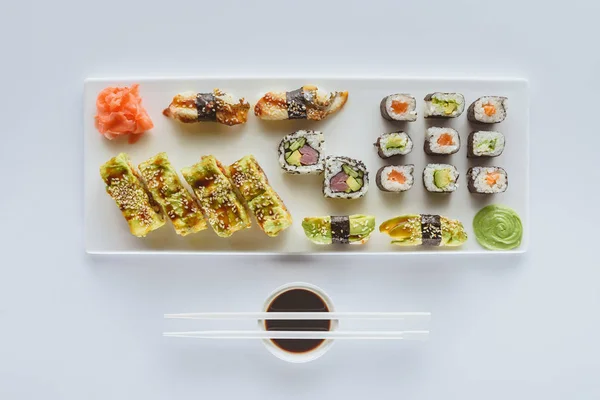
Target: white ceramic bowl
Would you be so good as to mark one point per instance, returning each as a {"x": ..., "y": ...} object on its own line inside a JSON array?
[{"x": 309, "y": 355}]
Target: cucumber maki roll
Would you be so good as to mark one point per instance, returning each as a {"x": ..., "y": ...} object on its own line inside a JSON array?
[
  {"x": 425, "y": 230},
  {"x": 441, "y": 141},
  {"x": 440, "y": 178},
  {"x": 444, "y": 105},
  {"x": 399, "y": 107},
  {"x": 350, "y": 229},
  {"x": 487, "y": 180},
  {"x": 395, "y": 178},
  {"x": 345, "y": 178},
  {"x": 393, "y": 144},
  {"x": 302, "y": 152},
  {"x": 488, "y": 110},
  {"x": 485, "y": 144}
]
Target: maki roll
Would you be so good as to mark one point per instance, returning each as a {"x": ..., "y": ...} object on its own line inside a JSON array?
[
  {"x": 487, "y": 180},
  {"x": 424, "y": 229},
  {"x": 345, "y": 178},
  {"x": 251, "y": 182},
  {"x": 175, "y": 201},
  {"x": 218, "y": 106},
  {"x": 444, "y": 105},
  {"x": 395, "y": 178},
  {"x": 488, "y": 110},
  {"x": 124, "y": 185},
  {"x": 225, "y": 212},
  {"x": 485, "y": 144},
  {"x": 350, "y": 229},
  {"x": 393, "y": 144},
  {"x": 441, "y": 141},
  {"x": 308, "y": 102},
  {"x": 399, "y": 107},
  {"x": 440, "y": 178},
  {"x": 302, "y": 152}
]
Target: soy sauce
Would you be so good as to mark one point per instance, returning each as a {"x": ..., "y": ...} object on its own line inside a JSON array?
[{"x": 298, "y": 300}]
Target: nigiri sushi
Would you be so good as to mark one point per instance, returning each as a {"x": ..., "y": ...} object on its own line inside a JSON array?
[{"x": 218, "y": 106}]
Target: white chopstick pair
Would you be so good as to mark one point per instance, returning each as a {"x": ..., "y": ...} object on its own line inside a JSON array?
[{"x": 337, "y": 334}]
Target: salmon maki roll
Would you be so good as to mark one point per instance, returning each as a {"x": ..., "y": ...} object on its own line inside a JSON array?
[
  {"x": 399, "y": 107},
  {"x": 441, "y": 141},
  {"x": 488, "y": 110},
  {"x": 487, "y": 180},
  {"x": 218, "y": 106}
]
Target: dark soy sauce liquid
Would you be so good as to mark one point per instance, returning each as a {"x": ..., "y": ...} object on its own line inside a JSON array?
[{"x": 298, "y": 300}]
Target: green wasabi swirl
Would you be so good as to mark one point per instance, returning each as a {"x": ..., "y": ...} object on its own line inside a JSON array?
[{"x": 498, "y": 228}]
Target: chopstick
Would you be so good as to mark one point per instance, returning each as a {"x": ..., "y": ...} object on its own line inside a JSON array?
[
  {"x": 300, "y": 315},
  {"x": 361, "y": 335}
]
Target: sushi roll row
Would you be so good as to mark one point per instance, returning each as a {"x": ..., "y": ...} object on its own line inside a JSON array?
[{"x": 402, "y": 107}]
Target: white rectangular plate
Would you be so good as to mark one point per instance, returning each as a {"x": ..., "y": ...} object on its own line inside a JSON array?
[{"x": 351, "y": 132}]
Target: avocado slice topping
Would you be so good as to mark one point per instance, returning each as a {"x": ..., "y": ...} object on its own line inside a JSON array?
[
  {"x": 442, "y": 178},
  {"x": 396, "y": 142},
  {"x": 354, "y": 184},
  {"x": 294, "y": 158}
]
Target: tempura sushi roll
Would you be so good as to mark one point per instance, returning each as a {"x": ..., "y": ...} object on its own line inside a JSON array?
[
  {"x": 424, "y": 229},
  {"x": 487, "y": 180},
  {"x": 440, "y": 178},
  {"x": 349, "y": 229},
  {"x": 218, "y": 106},
  {"x": 399, "y": 107},
  {"x": 175, "y": 201},
  {"x": 393, "y": 144},
  {"x": 345, "y": 178},
  {"x": 124, "y": 185},
  {"x": 441, "y": 141},
  {"x": 308, "y": 102},
  {"x": 302, "y": 152},
  {"x": 225, "y": 212},
  {"x": 395, "y": 178},
  {"x": 485, "y": 144},
  {"x": 488, "y": 110},
  {"x": 444, "y": 105},
  {"x": 266, "y": 205}
]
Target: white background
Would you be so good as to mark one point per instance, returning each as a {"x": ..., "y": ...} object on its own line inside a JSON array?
[{"x": 79, "y": 327}]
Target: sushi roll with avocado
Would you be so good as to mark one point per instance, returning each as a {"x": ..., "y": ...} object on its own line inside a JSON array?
[
  {"x": 441, "y": 141},
  {"x": 176, "y": 202},
  {"x": 308, "y": 102},
  {"x": 395, "y": 178},
  {"x": 487, "y": 180},
  {"x": 124, "y": 185},
  {"x": 485, "y": 144},
  {"x": 444, "y": 105},
  {"x": 488, "y": 110},
  {"x": 302, "y": 152},
  {"x": 393, "y": 144},
  {"x": 440, "y": 178},
  {"x": 218, "y": 106},
  {"x": 399, "y": 107},
  {"x": 345, "y": 178},
  {"x": 425, "y": 230},
  {"x": 350, "y": 229}
]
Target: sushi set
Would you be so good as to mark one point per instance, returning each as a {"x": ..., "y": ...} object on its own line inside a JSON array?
[{"x": 319, "y": 165}]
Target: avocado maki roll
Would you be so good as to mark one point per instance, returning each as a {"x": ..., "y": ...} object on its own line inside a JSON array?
[
  {"x": 440, "y": 178},
  {"x": 308, "y": 102},
  {"x": 485, "y": 144},
  {"x": 218, "y": 106},
  {"x": 488, "y": 110},
  {"x": 302, "y": 152},
  {"x": 393, "y": 144},
  {"x": 395, "y": 178},
  {"x": 487, "y": 180},
  {"x": 175, "y": 201},
  {"x": 444, "y": 105},
  {"x": 251, "y": 182},
  {"x": 352, "y": 229},
  {"x": 124, "y": 185},
  {"x": 399, "y": 107},
  {"x": 424, "y": 229},
  {"x": 345, "y": 178},
  {"x": 225, "y": 212},
  {"x": 441, "y": 141}
]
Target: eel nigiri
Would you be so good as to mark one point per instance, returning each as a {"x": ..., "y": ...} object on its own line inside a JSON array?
[{"x": 218, "y": 106}]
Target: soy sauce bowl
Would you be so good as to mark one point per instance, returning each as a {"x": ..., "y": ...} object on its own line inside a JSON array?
[{"x": 313, "y": 354}]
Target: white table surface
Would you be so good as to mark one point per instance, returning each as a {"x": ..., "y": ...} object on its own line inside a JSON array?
[{"x": 74, "y": 326}]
